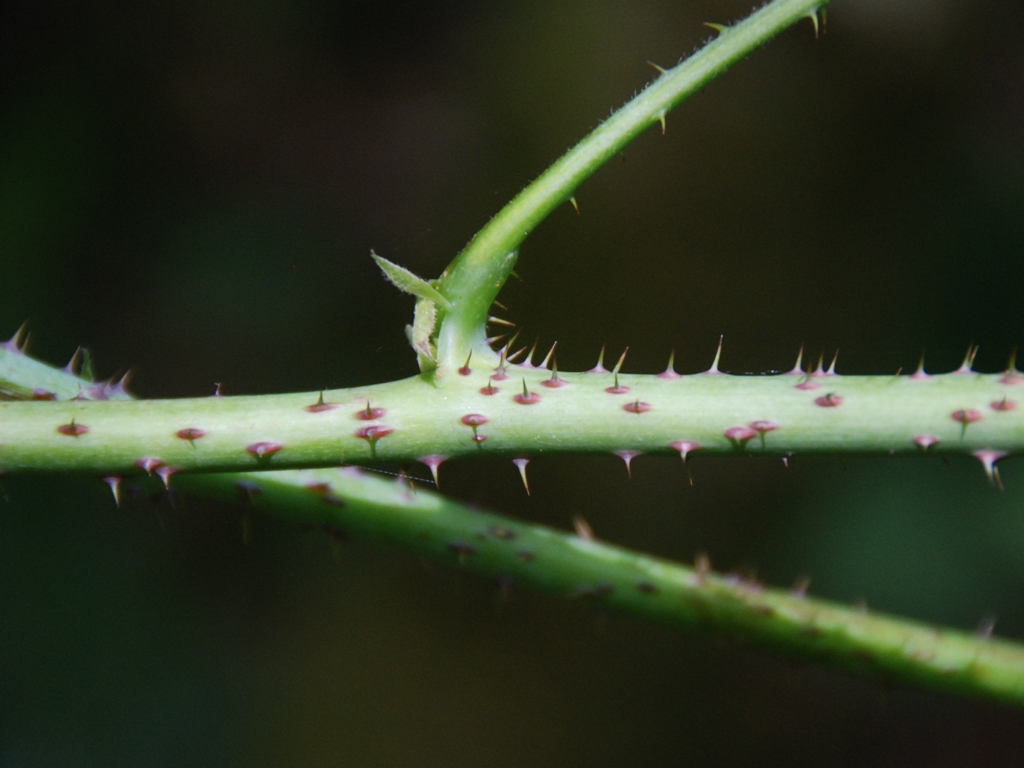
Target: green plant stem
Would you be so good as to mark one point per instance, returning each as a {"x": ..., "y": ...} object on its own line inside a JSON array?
[
  {"x": 426, "y": 416},
  {"x": 413, "y": 418},
  {"x": 473, "y": 280},
  {"x": 348, "y": 501},
  {"x": 612, "y": 577}
]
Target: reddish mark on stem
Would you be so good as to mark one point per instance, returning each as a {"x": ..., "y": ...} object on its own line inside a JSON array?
[
  {"x": 319, "y": 488},
  {"x": 763, "y": 427},
  {"x": 320, "y": 406},
  {"x": 807, "y": 384},
  {"x": 149, "y": 464},
  {"x": 501, "y": 532},
  {"x": 43, "y": 394},
  {"x": 685, "y": 447},
  {"x": 264, "y": 449},
  {"x": 500, "y": 372},
  {"x": 966, "y": 416},
  {"x": 670, "y": 370},
  {"x": 924, "y": 442},
  {"x": 920, "y": 374},
  {"x": 72, "y": 429},
  {"x": 637, "y": 407},
  {"x": 739, "y": 436},
  {"x": 599, "y": 368},
  {"x": 190, "y": 433},
  {"x": 373, "y": 433},
  {"x": 462, "y": 549},
  {"x": 1004, "y": 405},
  {"x": 489, "y": 390},
  {"x": 526, "y": 397},
  {"x": 831, "y": 400},
  {"x": 475, "y": 420},
  {"x": 465, "y": 370},
  {"x": 369, "y": 414},
  {"x": 617, "y": 389}
]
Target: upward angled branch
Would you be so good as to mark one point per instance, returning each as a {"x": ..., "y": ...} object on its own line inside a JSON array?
[{"x": 472, "y": 281}]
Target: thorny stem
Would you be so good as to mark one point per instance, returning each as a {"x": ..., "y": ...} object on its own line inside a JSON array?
[
  {"x": 514, "y": 553},
  {"x": 523, "y": 415},
  {"x": 473, "y": 280},
  {"x": 413, "y": 419}
]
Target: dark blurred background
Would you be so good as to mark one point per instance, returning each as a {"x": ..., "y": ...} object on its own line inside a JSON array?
[{"x": 192, "y": 190}]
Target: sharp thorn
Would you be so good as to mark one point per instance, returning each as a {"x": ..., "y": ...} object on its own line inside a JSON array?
[
  {"x": 528, "y": 362},
  {"x": 813, "y": 16},
  {"x": 521, "y": 464},
  {"x": 988, "y": 459},
  {"x": 510, "y": 342},
  {"x": 628, "y": 456},
  {"x": 599, "y": 368},
  {"x": 670, "y": 369},
  {"x": 820, "y": 370},
  {"x": 582, "y": 528},
  {"x": 501, "y": 321},
  {"x": 554, "y": 382},
  {"x": 512, "y": 358},
  {"x": 798, "y": 368},
  {"x": 719, "y": 28},
  {"x": 968, "y": 364},
  {"x": 547, "y": 357},
  {"x": 433, "y": 462},
  {"x": 1012, "y": 375},
  {"x": 114, "y": 482},
  {"x": 661, "y": 119},
  {"x": 713, "y": 370},
  {"x": 920, "y": 372},
  {"x": 662, "y": 70},
  {"x": 622, "y": 359},
  {"x": 165, "y": 472},
  {"x": 575, "y": 205},
  {"x": 75, "y": 363},
  {"x": 120, "y": 387},
  {"x": 18, "y": 341},
  {"x": 832, "y": 366}
]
